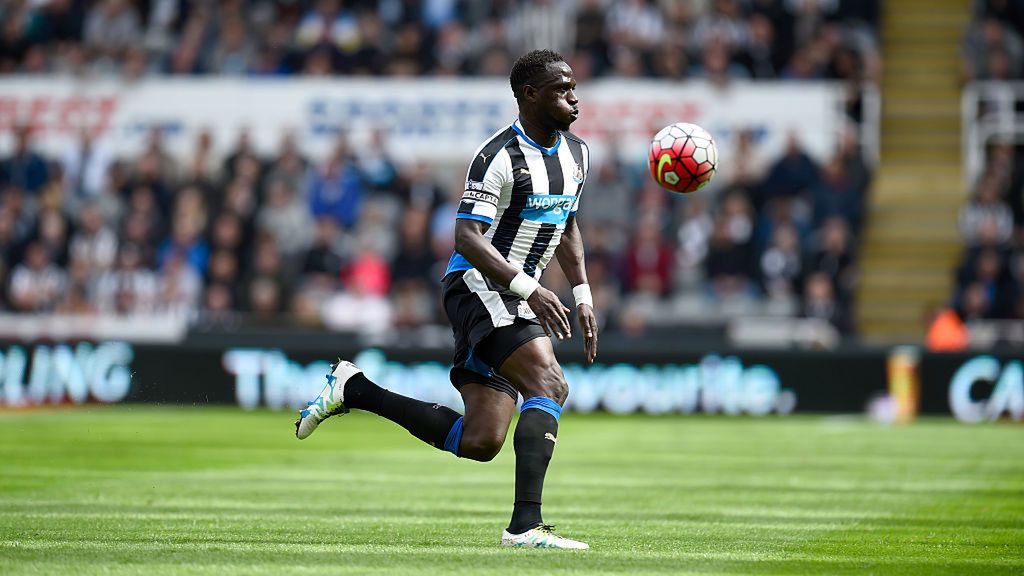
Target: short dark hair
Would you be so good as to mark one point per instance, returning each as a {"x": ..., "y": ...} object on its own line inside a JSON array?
[{"x": 529, "y": 66}]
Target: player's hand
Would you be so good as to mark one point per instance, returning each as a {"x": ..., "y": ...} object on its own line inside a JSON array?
[
  {"x": 588, "y": 324},
  {"x": 552, "y": 314}
]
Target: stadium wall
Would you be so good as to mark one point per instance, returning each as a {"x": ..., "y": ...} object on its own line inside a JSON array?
[
  {"x": 736, "y": 382},
  {"x": 437, "y": 119}
]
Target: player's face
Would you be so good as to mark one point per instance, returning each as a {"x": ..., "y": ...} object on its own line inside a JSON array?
[{"x": 556, "y": 96}]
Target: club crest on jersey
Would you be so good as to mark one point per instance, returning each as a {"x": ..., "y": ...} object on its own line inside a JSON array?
[
  {"x": 577, "y": 174},
  {"x": 548, "y": 208}
]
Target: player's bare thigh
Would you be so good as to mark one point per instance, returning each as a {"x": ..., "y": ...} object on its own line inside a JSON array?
[
  {"x": 485, "y": 424},
  {"x": 533, "y": 369}
]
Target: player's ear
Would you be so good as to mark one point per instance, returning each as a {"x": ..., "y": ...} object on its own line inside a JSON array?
[{"x": 529, "y": 93}]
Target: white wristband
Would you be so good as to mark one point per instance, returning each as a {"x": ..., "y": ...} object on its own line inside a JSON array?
[
  {"x": 524, "y": 286},
  {"x": 582, "y": 295}
]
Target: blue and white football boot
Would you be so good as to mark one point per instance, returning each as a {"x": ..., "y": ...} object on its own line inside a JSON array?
[{"x": 330, "y": 402}]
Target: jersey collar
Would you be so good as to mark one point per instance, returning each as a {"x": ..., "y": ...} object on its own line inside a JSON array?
[{"x": 547, "y": 151}]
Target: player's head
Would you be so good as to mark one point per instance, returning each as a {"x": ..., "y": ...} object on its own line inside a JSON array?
[{"x": 545, "y": 88}]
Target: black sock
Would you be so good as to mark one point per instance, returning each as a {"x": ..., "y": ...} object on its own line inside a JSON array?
[
  {"x": 431, "y": 423},
  {"x": 534, "y": 443}
]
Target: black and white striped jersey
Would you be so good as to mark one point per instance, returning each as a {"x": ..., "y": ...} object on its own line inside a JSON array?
[{"x": 526, "y": 192}]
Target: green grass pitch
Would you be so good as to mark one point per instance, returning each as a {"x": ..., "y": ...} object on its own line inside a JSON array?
[{"x": 144, "y": 490}]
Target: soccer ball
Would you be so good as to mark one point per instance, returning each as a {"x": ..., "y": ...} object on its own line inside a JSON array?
[{"x": 683, "y": 157}]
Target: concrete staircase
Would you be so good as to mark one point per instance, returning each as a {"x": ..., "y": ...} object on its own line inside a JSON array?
[{"x": 911, "y": 242}]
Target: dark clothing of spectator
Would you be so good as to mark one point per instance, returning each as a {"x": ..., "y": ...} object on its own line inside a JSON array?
[
  {"x": 795, "y": 174},
  {"x": 27, "y": 170}
]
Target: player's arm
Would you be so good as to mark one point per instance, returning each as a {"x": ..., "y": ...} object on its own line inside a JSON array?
[
  {"x": 478, "y": 250},
  {"x": 486, "y": 182},
  {"x": 570, "y": 257}
]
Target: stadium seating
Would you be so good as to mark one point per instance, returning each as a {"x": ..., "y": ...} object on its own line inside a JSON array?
[{"x": 270, "y": 239}]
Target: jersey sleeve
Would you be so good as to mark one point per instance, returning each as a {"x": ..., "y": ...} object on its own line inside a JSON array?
[
  {"x": 586, "y": 171},
  {"x": 480, "y": 200}
]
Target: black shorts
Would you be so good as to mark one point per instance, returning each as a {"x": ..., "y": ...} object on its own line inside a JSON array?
[{"x": 489, "y": 323}]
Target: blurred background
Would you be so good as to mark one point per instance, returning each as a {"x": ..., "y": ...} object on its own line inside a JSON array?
[{"x": 179, "y": 178}]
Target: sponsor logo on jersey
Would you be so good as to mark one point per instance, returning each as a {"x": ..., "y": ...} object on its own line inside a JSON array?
[
  {"x": 550, "y": 436},
  {"x": 548, "y": 208}
]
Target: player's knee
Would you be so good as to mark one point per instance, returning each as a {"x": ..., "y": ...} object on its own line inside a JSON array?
[
  {"x": 551, "y": 382},
  {"x": 482, "y": 447}
]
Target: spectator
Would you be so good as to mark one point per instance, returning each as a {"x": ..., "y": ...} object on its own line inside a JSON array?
[
  {"x": 780, "y": 265},
  {"x": 36, "y": 284},
  {"x": 186, "y": 244},
  {"x": 418, "y": 188},
  {"x": 204, "y": 168},
  {"x": 795, "y": 174},
  {"x": 415, "y": 263},
  {"x": 723, "y": 24},
  {"x": 290, "y": 165},
  {"x": 693, "y": 235},
  {"x": 26, "y": 168},
  {"x": 986, "y": 209},
  {"x": 324, "y": 259},
  {"x": 129, "y": 288},
  {"x": 375, "y": 164},
  {"x": 327, "y": 25},
  {"x": 336, "y": 190},
  {"x": 52, "y": 234},
  {"x": 364, "y": 307},
  {"x": 547, "y": 23},
  {"x": 820, "y": 302},
  {"x": 234, "y": 53},
  {"x": 265, "y": 300},
  {"x": 988, "y": 36},
  {"x": 225, "y": 271},
  {"x": 833, "y": 256},
  {"x": 987, "y": 270},
  {"x": 86, "y": 163},
  {"x": 747, "y": 166},
  {"x": 835, "y": 194},
  {"x": 95, "y": 244},
  {"x": 760, "y": 56},
  {"x": 647, "y": 265},
  {"x": 286, "y": 218},
  {"x": 111, "y": 27},
  {"x": 727, "y": 266},
  {"x": 179, "y": 287},
  {"x": 591, "y": 35},
  {"x": 267, "y": 266}
]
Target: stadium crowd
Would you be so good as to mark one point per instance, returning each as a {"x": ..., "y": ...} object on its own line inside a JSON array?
[
  {"x": 990, "y": 276},
  {"x": 993, "y": 47},
  {"x": 718, "y": 39},
  {"x": 358, "y": 241}
]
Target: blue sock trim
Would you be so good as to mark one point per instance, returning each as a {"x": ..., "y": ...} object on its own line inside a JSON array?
[
  {"x": 451, "y": 443},
  {"x": 542, "y": 403}
]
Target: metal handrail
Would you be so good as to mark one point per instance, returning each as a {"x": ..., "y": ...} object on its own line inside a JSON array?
[{"x": 988, "y": 109}]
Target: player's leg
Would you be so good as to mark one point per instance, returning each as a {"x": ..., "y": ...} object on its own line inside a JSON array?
[
  {"x": 485, "y": 425},
  {"x": 479, "y": 435},
  {"x": 347, "y": 388},
  {"x": 532, "y": 368},
  {"x": 534, "y": 371}
]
